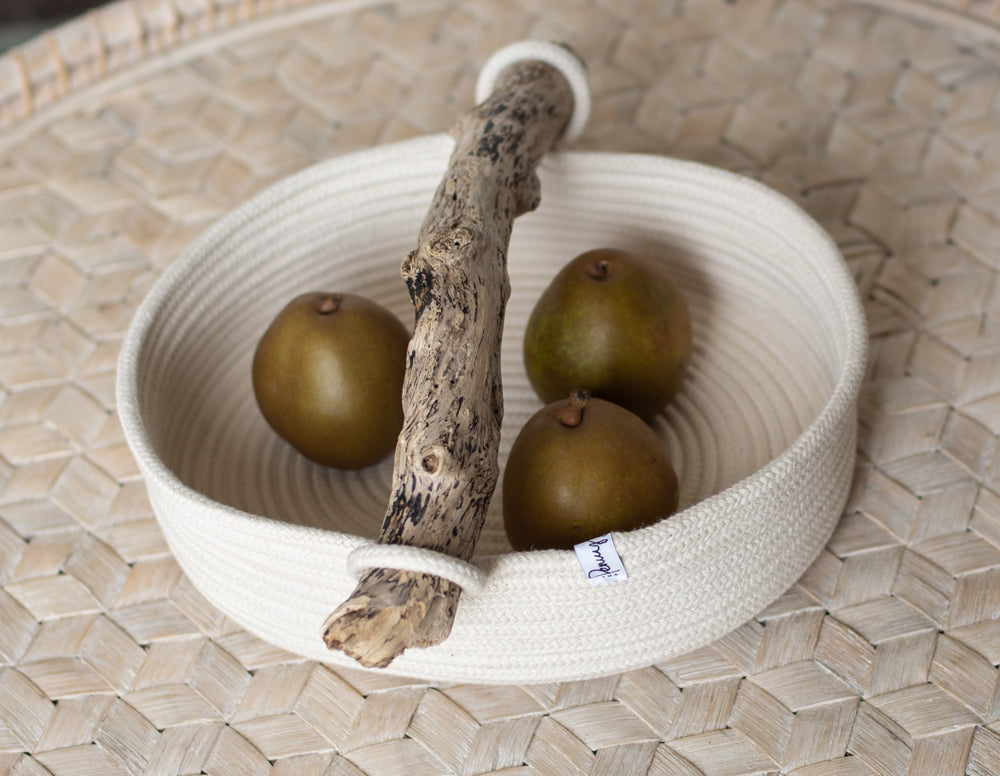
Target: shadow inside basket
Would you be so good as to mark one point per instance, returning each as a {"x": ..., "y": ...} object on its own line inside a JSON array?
[
  {"x": 762, "y": 434},
  {"x": 766, "y": 358}
]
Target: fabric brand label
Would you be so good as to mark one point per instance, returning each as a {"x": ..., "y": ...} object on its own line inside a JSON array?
[{"x": 599, "y": 560}]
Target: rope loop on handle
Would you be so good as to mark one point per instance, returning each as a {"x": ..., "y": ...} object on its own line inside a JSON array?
[
  {"x": 561, "y": 58},
  {"x": 404, "y": 557}
]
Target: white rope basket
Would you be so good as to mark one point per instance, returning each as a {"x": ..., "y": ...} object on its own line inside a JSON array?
[{"x": 762, "y": 435}]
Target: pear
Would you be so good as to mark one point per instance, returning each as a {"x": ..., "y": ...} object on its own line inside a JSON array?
[
  {"x": 328, "y": 378},
  {"x": 582, "y": 467},
  {"x": 612, "y": 322}
]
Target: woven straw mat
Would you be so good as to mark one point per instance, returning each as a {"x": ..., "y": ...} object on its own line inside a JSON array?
[{"x": 125, "y": 133}]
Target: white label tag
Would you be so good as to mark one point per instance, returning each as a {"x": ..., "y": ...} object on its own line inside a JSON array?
[{"x": 599, "y": 560}]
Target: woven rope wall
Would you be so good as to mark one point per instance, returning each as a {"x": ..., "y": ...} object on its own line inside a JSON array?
[{"x": 125, "y": 133}]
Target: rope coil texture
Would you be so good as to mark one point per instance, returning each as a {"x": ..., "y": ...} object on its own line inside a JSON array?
[{"x": 762, "y": 435}]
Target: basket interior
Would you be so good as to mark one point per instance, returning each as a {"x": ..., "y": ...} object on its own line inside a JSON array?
[{"x": 766, "y": 318}]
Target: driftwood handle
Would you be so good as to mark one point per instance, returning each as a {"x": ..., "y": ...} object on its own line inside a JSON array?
[{"x": 445, "y": 466}]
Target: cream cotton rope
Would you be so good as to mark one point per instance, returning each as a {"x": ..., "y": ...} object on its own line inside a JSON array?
[
  {"x": 400, "y": 556},
  {"x": 562, "y": 59}
]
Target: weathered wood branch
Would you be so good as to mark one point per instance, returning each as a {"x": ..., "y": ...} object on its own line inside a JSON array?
[{"x": 445, "y": 466}]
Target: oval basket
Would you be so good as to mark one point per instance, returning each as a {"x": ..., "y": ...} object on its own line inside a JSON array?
[{"x": 762, "y": 435}]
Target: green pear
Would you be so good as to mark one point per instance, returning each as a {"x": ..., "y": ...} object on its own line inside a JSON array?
[
  {"x": 328, "y": 378},
  {"x": 582, "y": 467},
  {"x": 612, "y": 322}
]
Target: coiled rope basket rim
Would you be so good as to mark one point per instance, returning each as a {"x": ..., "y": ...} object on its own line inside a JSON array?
[{"x": 743, "y": 536}]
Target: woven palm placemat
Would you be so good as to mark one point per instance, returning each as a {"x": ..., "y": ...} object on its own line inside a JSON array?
[{"x": 128, "y": 131}]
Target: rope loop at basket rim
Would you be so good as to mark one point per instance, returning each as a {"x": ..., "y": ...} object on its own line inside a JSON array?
[
  {"x": 406, "y": 557},
  {"x": 561, "y": 58}
]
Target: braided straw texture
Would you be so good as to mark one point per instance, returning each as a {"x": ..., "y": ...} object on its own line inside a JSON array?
[{"x": 128, "y": 133}]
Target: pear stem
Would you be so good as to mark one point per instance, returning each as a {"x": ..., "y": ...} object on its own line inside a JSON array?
[
  {"x": 572, "y": 413},
  {"x": 330, "y": 304},
  {"x": 599, "y": 270}
]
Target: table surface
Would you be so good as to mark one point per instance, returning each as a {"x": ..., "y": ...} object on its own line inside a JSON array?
[{"x": 125, "y": 133}]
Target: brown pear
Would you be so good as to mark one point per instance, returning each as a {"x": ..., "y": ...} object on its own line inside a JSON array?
[
  {"x": 612, "y": 322},
  {"x": 328, "y": 378},
  {"x": 582, "y": 467}
]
